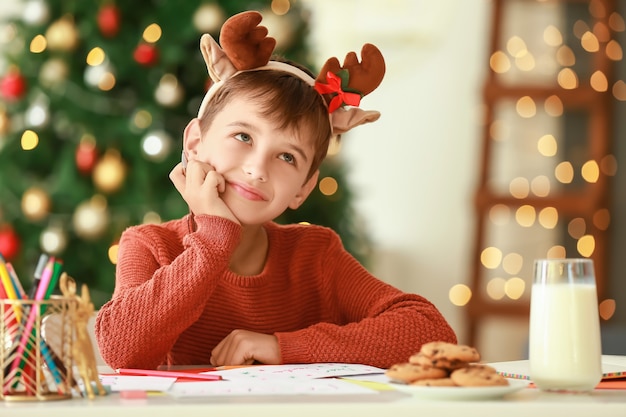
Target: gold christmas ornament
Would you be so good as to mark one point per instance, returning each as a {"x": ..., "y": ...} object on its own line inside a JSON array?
[
  {"x": 110, "y": 172},
  {"x": 62, "y": 35},
  {"x": 91, "y": 218},
  {"x": 53, "y": 71},
  {"x": 35, "y": 203},
  {"x": 169, "y": 92}
]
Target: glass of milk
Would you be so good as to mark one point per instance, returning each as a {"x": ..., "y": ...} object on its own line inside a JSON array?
[{"x": 565, "y": 352}]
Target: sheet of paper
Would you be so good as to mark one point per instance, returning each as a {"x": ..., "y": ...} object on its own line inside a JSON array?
[
  {"x": 279, "y": 386},
  {"x": 303, "y": 371},
  {"x": 319, "y": 378},
  {"x": 377, "y": 378},
  {"x": 613, "y": 366},
  {"x": 137, "y": 383}
]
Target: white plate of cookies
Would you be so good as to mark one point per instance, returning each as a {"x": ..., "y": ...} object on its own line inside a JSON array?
[
  {"x": 462, "y": 393},
  {"x": 448, "y": 371}
]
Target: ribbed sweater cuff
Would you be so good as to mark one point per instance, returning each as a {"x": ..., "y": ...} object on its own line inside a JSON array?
[{"x": 293, "y": 348}]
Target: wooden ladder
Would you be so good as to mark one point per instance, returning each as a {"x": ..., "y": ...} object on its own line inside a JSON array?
[{"x": 585, "y": 123}]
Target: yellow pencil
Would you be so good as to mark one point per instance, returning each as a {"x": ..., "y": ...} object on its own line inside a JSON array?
[{"x": 9, "y": 289}]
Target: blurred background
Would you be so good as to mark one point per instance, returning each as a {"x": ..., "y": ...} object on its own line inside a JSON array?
[{"x": 500, "y": 142}]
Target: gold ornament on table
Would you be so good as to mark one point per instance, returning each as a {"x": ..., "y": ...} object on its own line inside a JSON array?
[{"x": 82, "y": 349}]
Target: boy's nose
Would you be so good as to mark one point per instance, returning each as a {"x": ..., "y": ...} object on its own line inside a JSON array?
[{"x": 256, "y": 167}]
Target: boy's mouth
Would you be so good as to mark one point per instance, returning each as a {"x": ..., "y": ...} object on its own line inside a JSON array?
[{"x": 247, "y": 191}]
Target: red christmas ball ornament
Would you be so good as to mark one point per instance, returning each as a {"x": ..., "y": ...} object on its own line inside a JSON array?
[
  {"x": 146, "y": 54},
  {"x": 12, "y": 85},
  {"x": 86, "y": 156},
  {"x": 9, "y": 242},
  {"x": 109, "y": 18}
]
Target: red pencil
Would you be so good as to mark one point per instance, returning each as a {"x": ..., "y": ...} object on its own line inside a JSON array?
[{"x": 168, "y": 374}]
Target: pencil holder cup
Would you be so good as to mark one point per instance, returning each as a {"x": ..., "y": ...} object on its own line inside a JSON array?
[{"x": 36, "y": 360}]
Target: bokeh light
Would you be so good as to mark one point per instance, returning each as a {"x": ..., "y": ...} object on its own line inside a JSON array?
[
  {"x": 459, "y": 294},
  {"x": 548, "y": 217},
  {"x": 38, "y": 44},
  {"x": 547, "y": 146},
  {"x": 606, "y": 309},
  {"x": 328, "y": 186},
  {"x": 514, "y": 288},
  {"x": 512, "y": 263},
  {"x": 525, "y": 215},
  {"x": 586, "y": 245},
  {"x": 590, "y": 171},
  {"x": 495, "y": 288},
  {"x": 564, "y": 172},
  {"x": 152, "y": 33},
  {"x": 491, "y": 257},
  {"x": 29, "y": 140}
]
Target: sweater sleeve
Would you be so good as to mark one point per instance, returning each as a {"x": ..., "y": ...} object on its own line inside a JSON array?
[
  {"x": 161, "y": 288},
  {"x": 375, "y": 323}
]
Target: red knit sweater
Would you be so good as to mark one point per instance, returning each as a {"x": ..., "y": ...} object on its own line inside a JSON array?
[{"x": 175, "y": 299}]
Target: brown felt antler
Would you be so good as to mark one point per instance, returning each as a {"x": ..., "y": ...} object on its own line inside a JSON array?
[
  {"x": 245, "y": 42},
  {"x": 365, "y": 76},
  {"x": 245, "y": 45}
]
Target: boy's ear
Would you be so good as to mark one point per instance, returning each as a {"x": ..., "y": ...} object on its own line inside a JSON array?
[
  {"x": 192, "y": 136},
  {"x": 305, "y": 191}
]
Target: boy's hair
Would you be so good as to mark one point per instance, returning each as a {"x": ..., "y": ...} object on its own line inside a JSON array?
[{"x": 285, "y": 99}]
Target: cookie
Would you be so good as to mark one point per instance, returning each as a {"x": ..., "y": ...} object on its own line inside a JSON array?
[
  {"x": 436, "y": 382},
  {"x": 408, "y": 372},
  {"x": 443, "y": 363},
  {"x": 450, "y": 351},
  {"x": 477, "y": 375}
]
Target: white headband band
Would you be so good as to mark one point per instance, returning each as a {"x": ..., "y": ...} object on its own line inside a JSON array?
[{"x": 271, "y": 65}]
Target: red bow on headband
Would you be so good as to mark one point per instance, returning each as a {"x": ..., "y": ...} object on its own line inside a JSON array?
[{"x": 341, "y": 97}]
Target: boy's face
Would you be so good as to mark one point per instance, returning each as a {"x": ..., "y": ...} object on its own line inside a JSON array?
[{"x": 265, "y": 168}]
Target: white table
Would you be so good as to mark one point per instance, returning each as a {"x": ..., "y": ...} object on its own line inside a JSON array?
[{"x": 525, "y": 403}]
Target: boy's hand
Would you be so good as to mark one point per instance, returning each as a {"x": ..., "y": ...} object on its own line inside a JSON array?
[
  {"x": 200, "y": 186},
  {"x": 243, "y": 347}
]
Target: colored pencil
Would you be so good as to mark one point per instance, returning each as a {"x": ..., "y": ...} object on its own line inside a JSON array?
[{"x": 168, "y": 374}]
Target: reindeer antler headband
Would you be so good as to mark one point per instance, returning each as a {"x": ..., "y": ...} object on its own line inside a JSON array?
[{"x": 246, "y": 46}]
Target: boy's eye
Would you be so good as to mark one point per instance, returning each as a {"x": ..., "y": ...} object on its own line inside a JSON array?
[
  {"x": 243, "y": 137},
  {"x": 287, "y": 157}
]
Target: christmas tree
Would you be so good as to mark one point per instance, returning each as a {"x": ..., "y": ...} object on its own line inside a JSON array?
[{"x": 94, "y": 102}]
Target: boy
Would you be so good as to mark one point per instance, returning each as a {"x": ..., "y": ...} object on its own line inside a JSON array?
[{"x": 228, "y": 286}]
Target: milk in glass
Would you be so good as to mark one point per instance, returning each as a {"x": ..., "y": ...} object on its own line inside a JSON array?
[{"x": 564, "y": 343}]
